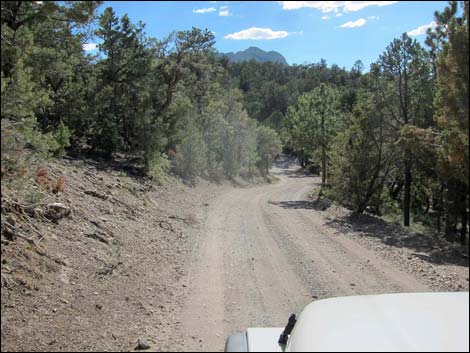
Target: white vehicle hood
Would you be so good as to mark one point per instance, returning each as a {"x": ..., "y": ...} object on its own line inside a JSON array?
[
  {"x": 390, "y": 322},
  {"x": 264, "y": 339}
]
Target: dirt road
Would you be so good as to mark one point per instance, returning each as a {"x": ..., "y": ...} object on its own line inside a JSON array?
[
  {"x": 183, "y": 267},
  {"x": 264, "y": 252}
]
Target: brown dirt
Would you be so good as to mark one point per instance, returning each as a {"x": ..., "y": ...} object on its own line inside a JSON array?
[
  {"x": 183, "y": 267},
  {"x": 109, "y": 274}
]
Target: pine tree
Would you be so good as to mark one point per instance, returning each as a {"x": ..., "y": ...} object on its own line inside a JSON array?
[
  {"x": 361, "y": 157},
  {"x": 313, "y": 123},
  {"x": 450, "y": 44},
  {"x": 268, "y": 147},
  {"x": 403, "y": 81}
]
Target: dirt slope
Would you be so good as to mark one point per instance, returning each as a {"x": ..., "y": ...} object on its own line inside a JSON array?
[{"x": 108, "y": 275}]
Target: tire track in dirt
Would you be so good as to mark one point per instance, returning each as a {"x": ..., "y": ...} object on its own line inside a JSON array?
[{"x": 262, "y": 255}]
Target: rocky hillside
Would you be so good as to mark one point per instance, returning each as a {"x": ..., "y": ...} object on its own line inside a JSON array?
[{"x": 75, "y": 265}]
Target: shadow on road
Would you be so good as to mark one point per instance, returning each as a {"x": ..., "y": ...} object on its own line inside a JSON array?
[
  {"x": 427, "y": 248},
  {"x": 284, "y": 162},
  {"x": 289, "y": 168},
  {"x": 300, "y": 173},
  {"x": 318, "y": 205}
]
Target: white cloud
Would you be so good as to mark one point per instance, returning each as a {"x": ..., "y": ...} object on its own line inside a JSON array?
[
  {"x": 421, "y": 29},
  {"x": 206, "y": 10},
  {"x": 325, "y": 17},
  {"x": 339, "y": 14},
  {"x": 89, "y": 46},
  {"x": 323, "y": 6},
  {"x": 373, "y": 17},
  {"x": 352, "y": 6},
  {"x": 257, "y": 34},
  {"x": 333, "y": 6},
  {"x": 224, "y": 11},
  {"x": 352, "y": 24}
]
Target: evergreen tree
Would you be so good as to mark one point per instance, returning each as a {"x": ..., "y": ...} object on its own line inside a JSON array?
[
  {"x": 449, "y": 43},
  {"x": 402, "y": 74},
  {"x": 361, "y": 157},
  {"x": 313, "y": 123},
  {"x": 268, "y": 147}
]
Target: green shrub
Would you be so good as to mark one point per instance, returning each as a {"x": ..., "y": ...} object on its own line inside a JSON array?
[
  {"x": 157, "y": 167},
  {"x": 62, "y": 137},
  {"x": 191, "y": 153},
  {"x": 268, "y": 146}
]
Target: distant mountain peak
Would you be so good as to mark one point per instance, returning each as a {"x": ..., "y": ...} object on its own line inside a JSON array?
[{"x": 257, "y": 54}]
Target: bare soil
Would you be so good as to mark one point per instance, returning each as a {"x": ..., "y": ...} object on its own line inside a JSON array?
[
  {"x": 111, "y": 273},
  {"x": 181, "y": 267}
]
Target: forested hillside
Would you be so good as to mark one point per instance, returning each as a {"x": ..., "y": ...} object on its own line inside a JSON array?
[
  {"x": 256, "y": 54},
  {"x": 392, "y": 140}
]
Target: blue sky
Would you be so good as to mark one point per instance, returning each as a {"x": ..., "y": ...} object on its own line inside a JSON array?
[{"x": 303, "y": 31}]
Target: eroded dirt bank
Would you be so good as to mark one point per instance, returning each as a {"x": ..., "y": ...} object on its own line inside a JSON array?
[{"x": 111, "y": 273}]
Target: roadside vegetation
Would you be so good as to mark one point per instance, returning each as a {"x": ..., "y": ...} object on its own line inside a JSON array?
[
  {"x": 395, "y": 140},
  {"x": 391, "y": 141},
  {"x": 170, "y": 102}
]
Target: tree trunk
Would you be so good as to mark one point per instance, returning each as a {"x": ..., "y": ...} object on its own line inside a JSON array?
[
  {"x": 361, "y": 208},
  {"x": 323, "y": 152},
  {"x": 438, "y": 222},
  {"x": 464, "y": 214},
  {"x": 438, "y": 206},
  {"x": 452, "y": 209},
  {"x": 396, "y": 189},
  {"x": 302, "y": 159},
  {"x": 407, "y": 197},
  {"x": 463, "y": 230},
  {"x": 323, "y": 166},
  {"x": 450, "y": 228}
]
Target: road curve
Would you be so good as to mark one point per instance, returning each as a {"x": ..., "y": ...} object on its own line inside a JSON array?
[{"x": 263, "y": 254}]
